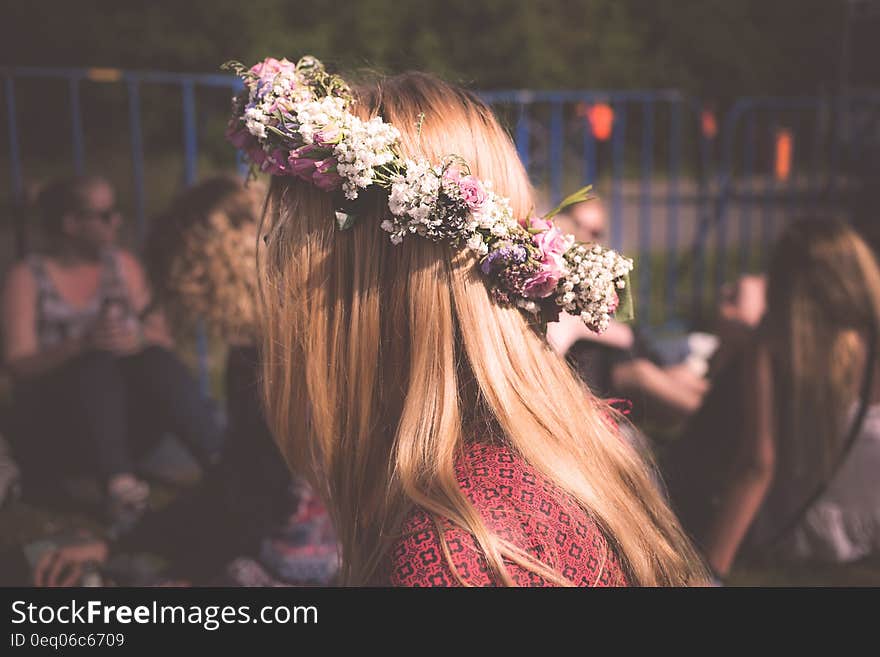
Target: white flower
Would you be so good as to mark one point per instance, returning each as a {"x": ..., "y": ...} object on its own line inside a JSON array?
[
  {"x": 477, "y": 245},
  {"x": 418, "y": 191},
  {"x": 499, "y": 230},
  {"x": 528, "y": 305}
]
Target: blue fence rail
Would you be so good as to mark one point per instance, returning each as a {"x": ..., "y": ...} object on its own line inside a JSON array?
[
  {"x": 676, "y": 194},
  {"x": 654, "y": 143},
  {"x": 133, "y": 82}
]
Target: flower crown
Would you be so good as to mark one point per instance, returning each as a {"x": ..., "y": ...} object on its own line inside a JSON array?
[{"x": 295, "y": 120}]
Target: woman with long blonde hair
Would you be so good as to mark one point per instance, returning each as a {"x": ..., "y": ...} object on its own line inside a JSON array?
[{"x": 451, "y": 444}]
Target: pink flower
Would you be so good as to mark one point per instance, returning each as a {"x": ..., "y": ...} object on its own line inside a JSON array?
[
  {"x": 472, "y": 192},
  {"x": 553, "y": 243},
  {"x": 612, "y": 307},
  {"x": 543, "y": 283},
  {"x": 269, "y": 66},
  {"x": 452, "y": 174},
  {"x": 536, "y": 223}
]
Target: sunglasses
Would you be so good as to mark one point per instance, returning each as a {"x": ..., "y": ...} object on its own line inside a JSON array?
[{"x": 106, "y": 216}]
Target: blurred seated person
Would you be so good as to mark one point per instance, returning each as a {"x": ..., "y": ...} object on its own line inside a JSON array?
[
  {"x": 95, "y": 381},
  {"x": 740, "y": 310},
  {"x": 782, "y": 460},
  {"x": 249, "y": 522},
  {"x": 617, "y": 363}
]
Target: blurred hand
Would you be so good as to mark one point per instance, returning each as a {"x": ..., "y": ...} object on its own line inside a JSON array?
[
  {"x": 64, "y": 566},
  {"x": 563, "y": 334},
  {"x": 569, "y": 329},
  {"x": 118, "y": 336}
]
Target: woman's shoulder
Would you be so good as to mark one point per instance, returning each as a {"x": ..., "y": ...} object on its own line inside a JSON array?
[
  {"x": 516, "y": 504},
  {"x": 124, "y": 260},
  {"x": 20, "y": 277}
]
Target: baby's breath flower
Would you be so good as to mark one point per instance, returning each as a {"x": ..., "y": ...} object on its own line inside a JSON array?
[{"x": 296, "y": 119}]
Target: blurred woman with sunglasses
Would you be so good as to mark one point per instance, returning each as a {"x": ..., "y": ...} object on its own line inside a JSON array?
[{"x": 95, "y": 379}]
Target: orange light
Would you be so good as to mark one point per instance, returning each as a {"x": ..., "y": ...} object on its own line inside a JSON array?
[
  {"x": 105, "y": 74},
  {"x": 601, "y": 119},
  {"x": 709, "y": 124},
  {"x": 784, "y": 148}
]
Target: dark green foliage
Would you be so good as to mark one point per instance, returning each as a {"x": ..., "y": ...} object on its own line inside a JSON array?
[{"x": 712, "y": 48}]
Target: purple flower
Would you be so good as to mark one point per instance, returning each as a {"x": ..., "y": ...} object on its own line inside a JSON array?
[
  {"x": 302, "y": 168},
  {"x": 300, "y": 164},
  {"x": 329, "y": 136},
  {"x": 257, "y": 155},
  {"x": 506, "y": 253},
  {"x": 325, "y": 176},
  {"x": 276, "y": 163},
  {"x": 237, "y": 135},
  {"x": 304, "y": 151}
]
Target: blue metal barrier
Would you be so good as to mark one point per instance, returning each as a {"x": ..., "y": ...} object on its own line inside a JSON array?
[
  {"x": 623, "y": 170},
  {"x": 133, "y": 81},
  {"x": 656, "y": 169},
  {"x": 748, "y": 180}
]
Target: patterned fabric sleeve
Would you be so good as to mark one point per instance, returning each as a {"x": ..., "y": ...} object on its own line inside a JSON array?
[{"x": 518, "y": 506}]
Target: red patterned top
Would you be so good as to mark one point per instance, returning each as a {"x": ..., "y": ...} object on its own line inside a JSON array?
[{"x": 516, "y": 504}]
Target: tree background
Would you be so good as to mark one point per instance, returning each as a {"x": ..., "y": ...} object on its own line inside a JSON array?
[{"x": 711, "y": 48}]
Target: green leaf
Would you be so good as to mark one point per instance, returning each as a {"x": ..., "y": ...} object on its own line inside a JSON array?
[
  {"x": 625, "y": 309},
  {"x": 236, "y": 67},
  {"x": 581, "y": 195},
  {"x": 345, "y": 220},
  {"x": 272, "y": 128}
]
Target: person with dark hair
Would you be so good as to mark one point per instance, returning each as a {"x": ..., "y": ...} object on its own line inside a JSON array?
[
  {"x": 782, "y": 459},
  {"x": 95, "y": 381}
]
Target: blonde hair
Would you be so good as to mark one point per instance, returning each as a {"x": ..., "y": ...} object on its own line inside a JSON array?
[
  {"x": 381, "y": 362},
  {"x": 201, "y": 258},
  {"x": 823, "y": 300}
]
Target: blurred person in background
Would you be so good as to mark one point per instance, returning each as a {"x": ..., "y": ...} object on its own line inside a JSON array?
[
  {"x": 95, "y": 381},
  {"x": 619, "y": 363},
  {"x": 783, "y": 457},
  {"x": 248, "y": 522}
]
